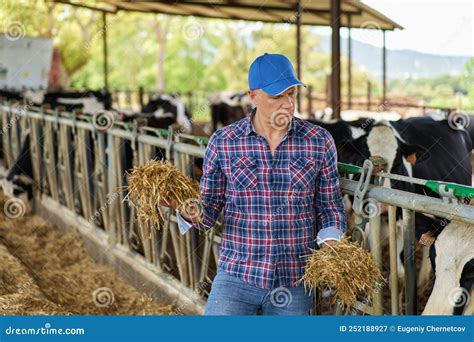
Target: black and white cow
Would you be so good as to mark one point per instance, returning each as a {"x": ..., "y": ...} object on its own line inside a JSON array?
[
  {"x": 423, "y": 148},
  {"x": 166, "y": 110},
  {"x": 227, "y": 107},
  {"x": 90, "y": 102},
  {"x": 160, "y": 113}
]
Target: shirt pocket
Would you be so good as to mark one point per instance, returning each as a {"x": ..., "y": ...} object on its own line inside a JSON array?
[
  {"x": 244, "y": 173},
  {"x": 303, "y": 174}
]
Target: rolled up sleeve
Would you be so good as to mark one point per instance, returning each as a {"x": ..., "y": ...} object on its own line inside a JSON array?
[
  {"x": 212, "y": 190},
  {"x": 328, "y": 201}
]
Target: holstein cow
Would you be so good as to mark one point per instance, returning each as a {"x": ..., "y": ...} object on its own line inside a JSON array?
[
  {"x": 167, "y": 110},
  {"x": 20, "y": 173},
  {"x": 454, "y": 261},
  {"x": 227, "y": 107},
  {"x": 90, "y": 102},
  {"x": 422, "y": 148}
]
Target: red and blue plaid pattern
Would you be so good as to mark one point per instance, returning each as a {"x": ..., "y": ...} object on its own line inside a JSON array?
[{"x": 272, "y": 204}]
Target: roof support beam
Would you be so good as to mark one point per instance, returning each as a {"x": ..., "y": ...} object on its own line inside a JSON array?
[
  {"x": 299, "y": 12},
  {"x": 336, "y": 59}
]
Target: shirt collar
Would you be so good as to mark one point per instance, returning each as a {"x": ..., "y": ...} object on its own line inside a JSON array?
[{"x": 251, "y": 129}]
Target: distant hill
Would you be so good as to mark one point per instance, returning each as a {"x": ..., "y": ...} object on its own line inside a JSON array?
[{"x": 400, "y": 63}]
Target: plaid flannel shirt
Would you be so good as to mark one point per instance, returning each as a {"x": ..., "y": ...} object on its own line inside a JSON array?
[{"x": 271, "y": 203}]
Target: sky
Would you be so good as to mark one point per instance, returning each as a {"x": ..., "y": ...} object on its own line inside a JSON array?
[{"x": 441, "y": 27}]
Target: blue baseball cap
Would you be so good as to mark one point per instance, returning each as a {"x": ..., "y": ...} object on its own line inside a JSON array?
[{"x": 272, "y": 73}]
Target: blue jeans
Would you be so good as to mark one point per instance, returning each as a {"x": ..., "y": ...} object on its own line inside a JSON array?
[{"x": 231, "y": 296}]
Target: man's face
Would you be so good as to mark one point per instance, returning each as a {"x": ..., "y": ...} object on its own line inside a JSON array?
[{"x": 269, "y": 106}]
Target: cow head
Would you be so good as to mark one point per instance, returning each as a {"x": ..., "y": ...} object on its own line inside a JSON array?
[{"x": 383, "y": 140}]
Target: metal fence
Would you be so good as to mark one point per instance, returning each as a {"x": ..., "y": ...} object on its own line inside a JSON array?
[{"x": 82, "y": 166}]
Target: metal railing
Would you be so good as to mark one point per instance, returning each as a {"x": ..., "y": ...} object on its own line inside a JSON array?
[{"x": 83, "y": 167}]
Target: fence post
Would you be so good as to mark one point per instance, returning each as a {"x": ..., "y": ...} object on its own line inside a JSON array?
[
  {"x": 140, "y": 97},
  {"x": 392, "y": 238},
  {"x": 309, "y": 96},
  {"x": 376, "y": 251},
  {"x": 369, "y": 94},
  {"x": 409, "y": 260},
  {"x": 328, "y": 90}
]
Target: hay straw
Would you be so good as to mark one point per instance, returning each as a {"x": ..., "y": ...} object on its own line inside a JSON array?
[
  {"x": 345, "y": 268},
  {"x": 159, "y": 182},
  {"x": 52, "y": 274}
]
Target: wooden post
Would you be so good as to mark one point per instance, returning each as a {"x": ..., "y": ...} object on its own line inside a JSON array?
[
  {"x": 384, "y": 70},
  {"x": 105, "y": 52},
  {"x": 369, "y": 94},
  {"x": 140, "y": 97},
  {"x": 328, "y": 90},
  {"x": 349, "y": 64},
  {"x": 309, "y": 97},
  {"x": 298, "y": 48},
  {"x": 336, "y": 59}
]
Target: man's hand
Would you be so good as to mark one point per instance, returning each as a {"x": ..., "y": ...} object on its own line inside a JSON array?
[
  {"x": 427, "y": 239},
  {"x": 329, "y": 243},
  {"x": 169, "y": 204}
]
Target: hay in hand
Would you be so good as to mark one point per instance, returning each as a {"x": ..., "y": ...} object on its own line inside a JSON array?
[
  {"x": 345, "y": 268},
  {"x": 157, "y": 183}
]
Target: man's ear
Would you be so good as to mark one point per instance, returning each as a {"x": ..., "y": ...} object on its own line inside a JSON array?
[{"x": 253, "y": 97}]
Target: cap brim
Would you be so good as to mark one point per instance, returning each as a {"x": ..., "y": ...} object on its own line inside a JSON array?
[{"x": 279, "y": 87}]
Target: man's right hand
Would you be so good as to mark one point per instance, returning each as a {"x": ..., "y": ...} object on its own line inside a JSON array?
[{"x": 169, "y": 204}]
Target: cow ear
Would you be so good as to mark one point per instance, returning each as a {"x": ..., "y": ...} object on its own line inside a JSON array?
[{"x": 413, "y": 153}]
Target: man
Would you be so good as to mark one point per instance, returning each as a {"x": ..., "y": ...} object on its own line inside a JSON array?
[{"x": 275, "y": 176}]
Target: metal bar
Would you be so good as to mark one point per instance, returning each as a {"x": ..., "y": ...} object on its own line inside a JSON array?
[
  {"x": 49, "y": 157},
  {"x": 409, "y": 260},
  {"x": 411, "y": 201},
  {"x": 111, "y": 228},
  {"x": 336, "y": 59},
  {"x": 376, "y": 251},
  {"x": 392, "y": 240}
]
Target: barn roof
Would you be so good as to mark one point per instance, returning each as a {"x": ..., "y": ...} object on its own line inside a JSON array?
[{"x": 315, "y": 12}]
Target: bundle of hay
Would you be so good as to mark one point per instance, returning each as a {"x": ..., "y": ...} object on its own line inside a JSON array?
[
  {"x": 345, "y": 268},
  {"x": 159, "y": 182}
]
